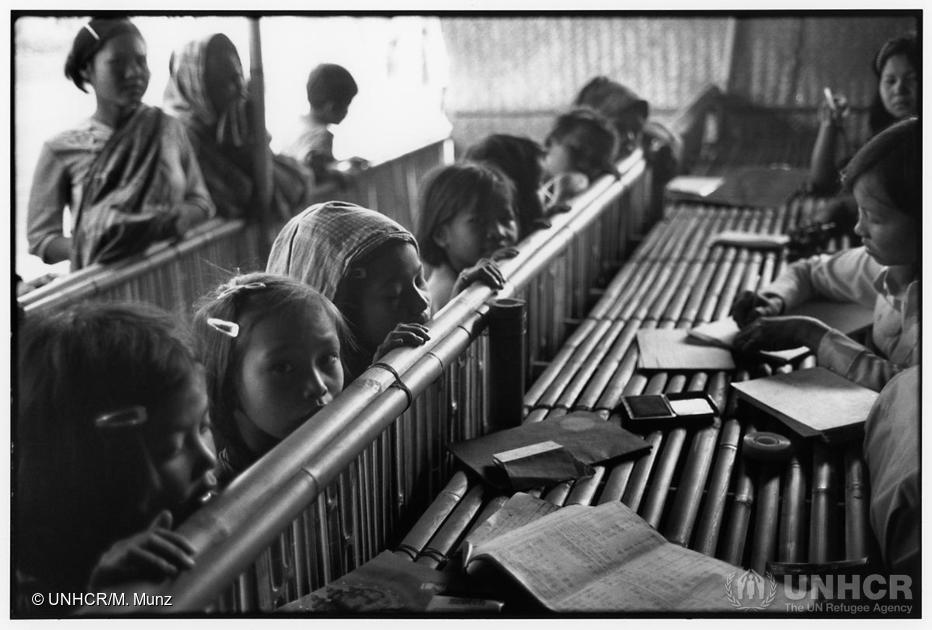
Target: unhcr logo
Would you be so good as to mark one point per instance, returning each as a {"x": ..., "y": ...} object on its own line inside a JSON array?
[{"x": 750, "y": 590}]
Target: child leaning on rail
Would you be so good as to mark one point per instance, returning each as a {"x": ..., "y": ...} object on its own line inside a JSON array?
[
  {"x": 466, "y": 219},
  {"x": 368, "y": 266},
  {"x": 580, "y": 147},
  {"x": 521, "y": 160},
  {"x": 113, "y": 447},
  {"x": 271, "y": 349},
  {"x": 883, "y": 273}
]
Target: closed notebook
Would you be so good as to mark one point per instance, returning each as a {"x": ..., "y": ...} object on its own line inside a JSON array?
[
  {"x": 811, "y": 403},
  {"x": 584, "y": 435},
  {"x": 671, "y": 349}
]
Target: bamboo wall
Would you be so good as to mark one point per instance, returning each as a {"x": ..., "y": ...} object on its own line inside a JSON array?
[{"x": 515, "y": 74}]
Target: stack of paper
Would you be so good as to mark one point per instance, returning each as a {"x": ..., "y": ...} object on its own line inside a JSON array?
[{"x": 812, "y": 403}]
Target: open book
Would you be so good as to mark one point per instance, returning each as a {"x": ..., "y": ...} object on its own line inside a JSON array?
[
  {"x": 607, "y": 559},
  {"x": 812, "y": 403}
]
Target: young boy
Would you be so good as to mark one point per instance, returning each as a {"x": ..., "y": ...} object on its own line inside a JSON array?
[{"x": 330, "y": 90}]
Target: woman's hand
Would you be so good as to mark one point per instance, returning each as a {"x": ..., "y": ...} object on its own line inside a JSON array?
[
  {"x": 156, "y": 552},
  {"x": 485, "y": 271},
  {"x": 750, "y": 305},
  {"x": 403, "y": 335},
  {"x": 781, "y": 333},
  {"x": 834, "y": 115}
]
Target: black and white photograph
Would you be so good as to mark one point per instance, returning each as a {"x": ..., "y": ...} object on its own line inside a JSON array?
[{"x": 472, "y": 313}]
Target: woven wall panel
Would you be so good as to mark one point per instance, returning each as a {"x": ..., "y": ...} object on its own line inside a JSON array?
[
  {"x": 786, "y": 62},
  {"x": 538, "y": 64}
]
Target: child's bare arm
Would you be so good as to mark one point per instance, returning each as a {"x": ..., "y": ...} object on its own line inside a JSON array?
[
  {"x": 156, "y": 552},
  {"x": 404, "y": 335}
]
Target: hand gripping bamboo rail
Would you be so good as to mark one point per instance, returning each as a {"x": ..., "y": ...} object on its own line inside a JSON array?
[{"x": 233, "y": 530}]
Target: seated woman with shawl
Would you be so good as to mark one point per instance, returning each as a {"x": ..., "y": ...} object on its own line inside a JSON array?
[
  {"x": 128, "y": 173},
  {"x": 206, "y": 92}
]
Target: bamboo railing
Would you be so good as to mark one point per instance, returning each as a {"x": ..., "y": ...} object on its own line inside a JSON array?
[
  {"x": 174, "y": 275},
  {"x": 694, "y": 486},
  {"x": 349, "y": 483}
]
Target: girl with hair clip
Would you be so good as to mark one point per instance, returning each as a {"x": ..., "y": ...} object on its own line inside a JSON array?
[
  {"x": 206, "y": 91},
  {"x": 884, "y": 177},
  {"x": 520, "y": 160},
  {"x": 580, "y": 147},
  {"x": 128, "y": 173},
  {"x": 896, "y": 66},
  {"x": 466, "y": 219},
  {"x": 113, "y": 448},
  {"x": 271, "y": 348},
  {"x": 368, "y": 266}
]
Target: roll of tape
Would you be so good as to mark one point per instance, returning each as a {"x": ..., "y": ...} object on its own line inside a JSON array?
[{"x": 765, "y": 446}]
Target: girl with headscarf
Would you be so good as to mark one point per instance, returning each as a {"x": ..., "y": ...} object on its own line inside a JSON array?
[
  {"x": 128, "y": 173},
  {"x": 206, "y": 92},
  {"x": 366, "y": 264}
]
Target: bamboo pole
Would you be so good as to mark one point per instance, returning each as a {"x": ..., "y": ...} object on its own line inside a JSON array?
[
  {"x": 856, "y": 504},
  {"x": 793, "y": 514}
]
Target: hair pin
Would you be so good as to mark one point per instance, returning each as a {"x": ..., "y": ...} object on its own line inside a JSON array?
[
  {"x": 92, "y": 32},
  {"x": 357, "y": 273},
  {"x": 230, "y": 290},
  {"x": 125, "y": 418},
  {"x": 230, "y": 329}
]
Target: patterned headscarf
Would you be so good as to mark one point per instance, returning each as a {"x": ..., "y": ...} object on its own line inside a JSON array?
[
  {"x": 321, "y": 245},
  {"x": 186, "y": 95}
]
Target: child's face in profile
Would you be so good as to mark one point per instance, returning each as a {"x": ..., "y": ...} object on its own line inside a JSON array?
[
  {"x": 889, "y": 234},
  {"x": 630, "y": 128},
  {"x": 475, "y": 234},
  {"x": 181, "y": 448},
  {"x": 559, "y": 159},
  {"x": 290, "y": 369},
  {"x": 332, "y": 112},
  {"x": 392, "y": 292}
]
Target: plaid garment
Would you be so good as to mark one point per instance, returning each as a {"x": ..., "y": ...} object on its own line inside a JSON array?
[{"x": 320, "y": 245}]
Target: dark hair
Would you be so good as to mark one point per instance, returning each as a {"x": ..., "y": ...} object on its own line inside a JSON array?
[
  {"x": 245, "y": 300},
  {"x": 589, "y": 139},
  {"x": 330, "y": 83},
  {"x": 88, "y": 42},
  {"x": 614, "y": 101},
  {"x": 78, "y": 489},
  {"x": 519, "y": 159},
  {"x": 894, "y": 155},
  {"x": 878, "y": 116},
  {"x": 449, "y": 190}
]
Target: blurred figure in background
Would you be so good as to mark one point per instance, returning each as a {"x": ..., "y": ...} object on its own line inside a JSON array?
[
  {"x": 330, "y": 91},
  {"x": 207, "y": 92},
  {"x": 896, "y": 66}
]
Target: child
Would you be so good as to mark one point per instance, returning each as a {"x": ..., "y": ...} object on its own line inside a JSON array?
[
  {"x": 580, "y": 147},
  {"x": 465, "y": 216},
  {"x": 521, "y": 160},
  {"x": 368, "y": 266},
  {"x": 330, "y": 90},
  {"x": 271, "y": 349},
  {"x": 630, "y": 114},
  {"x": 113, "y": 447},
  {"x": 884, "y": 273}
]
